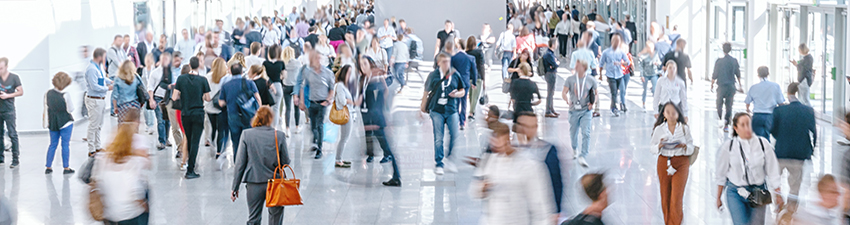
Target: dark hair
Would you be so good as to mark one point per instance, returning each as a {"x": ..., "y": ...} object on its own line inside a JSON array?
[
  {"x": 236, "y": 69},
  {"x": 342, "y": 74},
  {"x": 735, "y": 122},
  {"x": 274, "y": 51},
  {"x": 552, "y": 42},
  {"x": 194, "y": 62},
  {"x": 847, "y": 117},
  {"x": 448, "y": 21},
  {"x": 255, "y": 47},
  {"x": 727, "y": 47},
  {"x": 471, "y": 42},
  {"x": 763, "y": 71},
  {"x": 593, "y": 185},
  {"x": 494, "y": 109},
  {"x": 98, "y": 52},
  {"x": 661, "y": 118},
  {"x": 186, "y": 69},
  {"x": 793, "y": 88},
  {"x": 117, "y": 36}
]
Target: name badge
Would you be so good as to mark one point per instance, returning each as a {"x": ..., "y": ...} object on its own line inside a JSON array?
[
  {"x": 364, "y": 110},
  {"x": 442, "y": 101},
  {"x": 100, "y": 81},
  {"x": 576, "y": 105}
]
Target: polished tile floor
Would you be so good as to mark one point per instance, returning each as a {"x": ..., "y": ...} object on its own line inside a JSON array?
[{"x": 356, "y": 196}]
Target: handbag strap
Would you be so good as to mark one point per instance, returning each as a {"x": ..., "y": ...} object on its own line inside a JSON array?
[
  {"x": 277, "y": 153},
  {"x": 747, "y": 167}
]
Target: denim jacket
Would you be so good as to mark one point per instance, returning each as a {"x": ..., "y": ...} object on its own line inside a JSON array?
[{"x": 123, "y": 92}]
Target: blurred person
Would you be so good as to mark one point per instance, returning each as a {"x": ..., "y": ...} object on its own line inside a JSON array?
[
  {"x": 238, "y": 58},
  {"x": 161, "y": 48},
  {"x": 377, "y": 54},
  {"x": 124, "y": 94},
  {"x": 146, "y": 47},
  {"x": 805, "y": 73},
  {"x": 238, "y": 35},
  {"x": 294, "y": 42},
  {"x": 506, "y": 44},
  {"x": 320, "y": 94},
  {"x": 595, "y": 189},
  {"x": 236, "y": 92},
  {"x": 752, "y": 167},
  {"x": 150, "y": 116},
  {"x": 612, "y": 59},
  {"x": 563, "y": 29},
  {"x": 254, "y": 57},
  {"x": 498, "y": 183},
  {"x": 222, "y": 34},
  {"x": 97, "y": 84},
  {"x": 373, "y": 110},
  {"x": 218, "y": 118},
  {"x": 683, "y": 60},
  {"x": 387, "y": 35},
  {"x": 449, "y": 89},
  {"x": 545, "y": 152},
  {"x": 345, "y": 56},
  {"x": 649, "y": 75},
  {"x": 257, "y": 74},
  {"x": 252, "y": 34},
  {"x": 464, "y": 64},
  {"x": 522, "y": 92},
  {"x": 293, "y": 67},
  {"x": 186, "y": 45},
  {"x": 412, "y": 38},
  {"x": 448, "y": 33},
  {"x": 822, "y": 210},
  {"x": 276, "y": 72},
  {"x": 550, "y": 69},
  {"x": 115, "y": 57},
  {"x": 271, "y": 36},
  {"x": 264, "y": 150},
  {"x": 192, "y": 90},
  {"x": 795, "y": 131},
  {"x": 58, "y": 120},
  {"x": 579, "y": 94},
  {"x": 525, "y": 41},
  {"x": 477, "y": 54},
  {"x": 843, "y": 144},
  {"x": 326, "y": 51},
  {"x": 399, "y": 59},
  {"x": 672, "y": 135},
  {"x": 726, "y": 73},
  {"x": 670, "y": 89},
  {"x": 343, "y": 98},
  {"x": 131, "y": 52},
  {"x": 765, "y": 96},
  {"x": 201, "y": 35},
  {"x": 158, "y": 87}
]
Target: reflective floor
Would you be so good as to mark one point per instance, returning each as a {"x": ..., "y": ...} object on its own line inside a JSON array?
[{"x": 355, "y": 195}]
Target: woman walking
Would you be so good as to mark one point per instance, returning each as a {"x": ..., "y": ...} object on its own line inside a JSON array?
[
  {"x": 342, "y": 98},
  {"x": 217, "y": 117},
  {"x": 124, "y": 92},
  {"x": 746, "y": 165},
  {"x": 275, "y": 69},
  {"x": 258, "y": 74},
  {"x": 671, "y": 89},
  {"x": 58, "y": 107},
  {"x": 293, "y": 68},
  {"x": 672, "y": 135},
  {"x": 648, "y": 65},
  {"x": 523, "y": 91},
  {"x": 256, "y": 160}
]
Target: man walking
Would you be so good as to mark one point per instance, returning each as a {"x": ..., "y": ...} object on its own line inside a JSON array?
[
  {"x": 236, "y": 92},
  {"x": 448, "y": 89},
  {"x": 726, "y": 73},
  {"x": 792, "y": 125},
  {"x": 465, "y": 65},
  {"x": 192, "y": 90},
  {"x": 11, "y": 88},
  {"x": 683, "y": 61},
  {"x": 765, "y": 95},
  {"x": 507, "y": 44},
  {"x": 97, "y": 84},
  {"x": 612, "y": 60},
  {"x": 319, "y": 78},
  {"x": 545, "y": 152},
  {"x": 186, "y": 45},
  {"x": 157, "y": 86},
  {"x": 550, "y": 69},
  {"x": 579, "y": 93}
]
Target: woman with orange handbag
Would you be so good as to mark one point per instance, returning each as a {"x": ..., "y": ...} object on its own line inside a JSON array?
[
  {"x": 256, "y": 163},
  {"x": 342, "y": 102}
]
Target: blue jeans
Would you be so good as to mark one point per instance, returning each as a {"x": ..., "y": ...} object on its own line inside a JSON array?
[
  {"x": 623, "y": 87},
  {"x": 223, "y": 130},
  {"x": 65, "y": 135},
  {"x": 149, "y": 116},
  {"x": 389, "y": 54},
  {"x": 739, "y": 207},
  {"x": 650, "y": 79},
  {"x": 398, "y": 72},
  {"x": 440, "y": 121},
  {"x": 316, "y": 112},
  {"x": 762, "y": 123},
  {"x": 462, "y": 111},
  {"x": 580, "y": 119},
  {"x": 506, "y": 61},
  {"x": 162, "y": 125},
  {"x": 9, "y": 118},
  {"x": 234, "y": 122}
]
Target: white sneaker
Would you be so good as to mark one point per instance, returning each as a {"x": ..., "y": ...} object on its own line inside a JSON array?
[
  {"x": 150, "y": 130},
  {"x": 575, "y": 153},
  {"x": 439, "y": 171},
  {"x": 582, "y": 162},
  {"x": 297, "y": 129},
  {"x": 286, "y": 132},
  {"x": 451, "y": 167},
  {"x": 184, "y": 167}
]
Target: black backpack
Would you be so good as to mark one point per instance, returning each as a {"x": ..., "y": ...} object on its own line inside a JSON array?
[
  {"x": 296, "y": 45},
  {"x": 412, "y": 50}
]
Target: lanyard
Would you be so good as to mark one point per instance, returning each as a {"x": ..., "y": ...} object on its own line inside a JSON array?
[
  {"x": 580, "y": 89},
  {"x": 445, "y": 84},
  {"x": 98, "y": 69}
]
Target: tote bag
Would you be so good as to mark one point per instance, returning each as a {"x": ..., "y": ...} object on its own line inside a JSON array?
[{"x": 282, "y": 191}]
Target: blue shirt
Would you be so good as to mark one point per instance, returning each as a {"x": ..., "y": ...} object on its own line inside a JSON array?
[
  {"x": 231, "y": 90},
  {"x": 612, "y": 61},
  {"x": 96, "y": 82},
  {"x": 766, "y": 95},
  {"x": 465, "y": 65},
  {"x": 551, "y": 61},
  {"x": 586, "y": 55},
  {"x": 438, "y": 83}
]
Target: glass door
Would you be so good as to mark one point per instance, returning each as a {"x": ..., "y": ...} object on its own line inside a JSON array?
[{"x": 821, "y": 43}]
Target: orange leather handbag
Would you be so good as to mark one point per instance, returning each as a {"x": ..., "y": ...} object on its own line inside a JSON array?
[{"x": 282, "y": 192}]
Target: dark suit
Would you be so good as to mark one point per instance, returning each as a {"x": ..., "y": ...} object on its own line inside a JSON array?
[
  {"x": 143, "y": 51},
  {"x": 255, "y": 165},
  {"x": 792, "y": 124}
]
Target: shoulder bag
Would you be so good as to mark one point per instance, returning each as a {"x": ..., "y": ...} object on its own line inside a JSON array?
[
  {"x": 247, "y": 104},
  {"x": 142, "y": 94},
  {"x": 759, "y": 196},
  {"x": 282, "y": 191},
  {"x": 693, "y": 157},
  {"x": 338, "y": 116}
]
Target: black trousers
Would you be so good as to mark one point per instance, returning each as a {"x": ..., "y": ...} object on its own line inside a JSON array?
[
  {"x": 193, "y": 125},
  {"x": 725, "y": 97},
  {"x": 9, "y": 118},
  {"x": 562, "y": 44},
  {"x": 614, "y": 85},
  {"x": 551, "y": 78}
]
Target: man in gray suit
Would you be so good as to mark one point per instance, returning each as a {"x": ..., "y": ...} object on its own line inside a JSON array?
[{"x": 255, "y": 165}]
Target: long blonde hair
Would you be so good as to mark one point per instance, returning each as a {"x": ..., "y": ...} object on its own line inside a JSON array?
[
  {"x": 218, "y": 70},
  {"x": 127, "y": 72},
  {"x": 122, "y": 145},
  {"x": 288, "y": 54},
  {"x": 237, "y": 58}
]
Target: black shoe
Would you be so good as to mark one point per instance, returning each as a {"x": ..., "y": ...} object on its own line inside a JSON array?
[
  {"x": 318, "y": 154},
  {"x": 370, "y": 159},
  {"x": 623, "y": 106},
  {"x": 178, "y": 154},
  {"x": 168, "y": 144},
  {"x": 14, "y": 164},
  {"x": 387, "y": 159},
  {"x": 160, "y": 147},
  {"x": 217, "y": 155},
  {"x": 314, "y": 148},
  {"x": 392, "y": 183},
  {"x": 596, "y": 114},
  {"x": 192, "y": 175},
  {"x": 68, "y": 171},
  {"x": 471, "y": 118},
  {"x": 48, "y": 171}
]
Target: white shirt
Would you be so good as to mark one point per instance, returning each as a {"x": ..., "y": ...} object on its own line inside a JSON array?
[
  {"x": 325, "y": 51},
  {"x": 670, "y": 91},
  {"x": 379, "y": 55},
  {"x": 341, "y": 94},
  {"x": 506, "y": 42},
  {"x": 214, "y": 89},
  {"x": 520, "y": 191},
  {"x": 122, "y": 186},
  {"x": 386, "y": 42},
  {"x": 253, "y": 60},
  {"x": 814, "y": 213},
  {"x": 762, "y": 164},
  {"x": 564, "y": 27},
  {"x": 185, "y": 47},
  {"x": 681, "y": 134},
  {"x": 271, "y": 37}
]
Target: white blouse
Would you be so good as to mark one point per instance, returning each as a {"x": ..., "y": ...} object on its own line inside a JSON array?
[
  {"x": 761, "y": 162},
  {"x": 681, "y": 134},
  {"x": 520, "y": 191},
  {"x": 122, "y": 186},
  {"x": 671, "y": 91}
]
